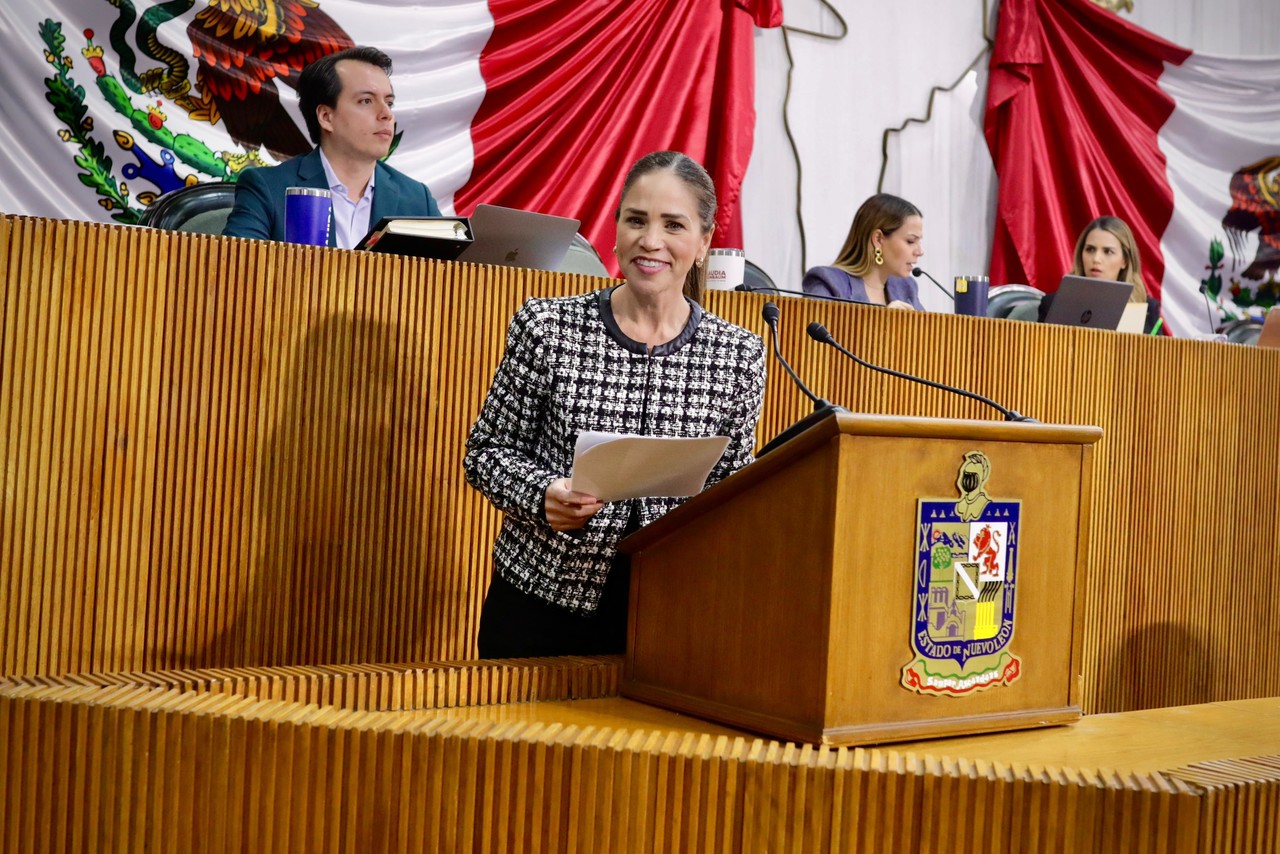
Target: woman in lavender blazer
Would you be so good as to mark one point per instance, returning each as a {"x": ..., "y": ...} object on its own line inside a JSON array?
[{"x": 875, "y": 264}]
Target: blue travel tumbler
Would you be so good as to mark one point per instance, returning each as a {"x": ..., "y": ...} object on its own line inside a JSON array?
[
  {"x": 971, "y": 295},
  {"x": 307, "y": 216}
]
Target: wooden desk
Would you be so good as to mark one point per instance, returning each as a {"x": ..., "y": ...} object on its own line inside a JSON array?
[
  {"x": 221, "y": 452},
  {"x": 544, "y": 756},
  {"x": 1146, "y": 742}
]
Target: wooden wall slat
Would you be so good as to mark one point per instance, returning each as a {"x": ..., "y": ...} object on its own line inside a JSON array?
[{"x": 226, "y": 452}]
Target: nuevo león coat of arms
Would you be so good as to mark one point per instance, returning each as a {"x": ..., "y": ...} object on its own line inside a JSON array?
[{"x": 966, "y": 586}]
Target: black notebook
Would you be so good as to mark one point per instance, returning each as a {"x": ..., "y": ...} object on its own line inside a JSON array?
[{"x": 442, "y": 238}]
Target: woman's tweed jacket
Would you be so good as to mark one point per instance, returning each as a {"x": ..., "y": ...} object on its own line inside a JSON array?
[{"x": 567, "y": 368}]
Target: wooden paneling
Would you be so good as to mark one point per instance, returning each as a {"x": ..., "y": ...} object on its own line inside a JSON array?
[
  {"x": 222, "y": 452},
  {"x": 167, "y": 762},
  {"x": 228, "y": 452}
]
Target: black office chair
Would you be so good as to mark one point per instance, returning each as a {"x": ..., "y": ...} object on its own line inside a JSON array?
[
  {"x": 1014, "y": 302},
  {"x": 755, "y": 279},
  {"x": 199, "y": 208},
  {"x": 1244, "y": 330},
  {"x": 583, "y": 258}
]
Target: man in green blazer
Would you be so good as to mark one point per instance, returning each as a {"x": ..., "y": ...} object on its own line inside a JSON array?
[{"x": 346, "y": 99}]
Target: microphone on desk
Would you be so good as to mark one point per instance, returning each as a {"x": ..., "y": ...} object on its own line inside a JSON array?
[
  {"x": 917, "y": 272},
  {"x": 1208, "y": 308},
  {"x": 830, "y": 298},
  {"x": 819, "y": 333},
  {"x": 770, "y": 314},
  {"x": 822, "y": 409},
  {"x": 769, "y": 289}
]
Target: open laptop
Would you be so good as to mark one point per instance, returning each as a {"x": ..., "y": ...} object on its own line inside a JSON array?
[
  {"x": 514, "y": 238},
  {"x": 1092, "y": 303}
]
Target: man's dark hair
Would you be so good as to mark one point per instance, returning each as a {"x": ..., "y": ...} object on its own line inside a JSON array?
[{"x": 318, "y": 84}]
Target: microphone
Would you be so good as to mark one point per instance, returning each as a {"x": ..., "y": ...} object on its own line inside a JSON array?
[
  {"x": 819, "y": 333},
  {"x": 822, "y": 409},
  {"x": 1204, "y": 290},
  {"x": 770, "y": 314},
  {"x": 917, "y": 272},
  {"x": 780, "y": 291}
]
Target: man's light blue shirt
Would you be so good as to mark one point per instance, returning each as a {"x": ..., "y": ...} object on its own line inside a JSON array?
[{"x": 350, "y": 219}]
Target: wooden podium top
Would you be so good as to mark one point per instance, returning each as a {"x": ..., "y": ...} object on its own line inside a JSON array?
[{"x": 857, "y": 424}]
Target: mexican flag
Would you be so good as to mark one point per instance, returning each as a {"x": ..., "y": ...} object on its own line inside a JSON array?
[
  {"x": 1089, "y": 115},
  {"x": 536, "y": 105}
]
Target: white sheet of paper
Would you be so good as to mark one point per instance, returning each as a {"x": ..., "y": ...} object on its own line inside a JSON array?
[
  {"x": 1134, "y": 318},
  {"x": 614, "y": 466}
]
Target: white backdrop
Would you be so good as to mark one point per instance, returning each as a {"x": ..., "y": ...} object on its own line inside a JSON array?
[{"x": 846, "y": 93}]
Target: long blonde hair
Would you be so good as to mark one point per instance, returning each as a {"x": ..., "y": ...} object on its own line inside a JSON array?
[{"x": 1132, "y": 270}]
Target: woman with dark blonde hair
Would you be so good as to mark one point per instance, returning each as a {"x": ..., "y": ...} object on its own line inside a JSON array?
[
  {"x": 642, "y": 357},
  {"x": 1106, "y": 249},
  {"x": 874, "y": 266}
]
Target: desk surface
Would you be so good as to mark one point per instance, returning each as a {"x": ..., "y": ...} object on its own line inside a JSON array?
[
  {"x": 493, "y": 765},
  {"x": 1135, "y": 742}
]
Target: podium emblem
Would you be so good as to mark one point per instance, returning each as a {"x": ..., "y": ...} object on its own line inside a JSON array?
[{"x": 965, "y": 589}]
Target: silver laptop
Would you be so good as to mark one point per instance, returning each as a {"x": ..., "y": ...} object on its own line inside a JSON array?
[
  {"x": 514, "y": 238},
  {"x": 1093, "y": 303}
]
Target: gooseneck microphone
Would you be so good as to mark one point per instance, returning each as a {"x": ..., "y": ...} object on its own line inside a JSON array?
[
  {"x": 1208, "y": 308},
  {"x": 773, "y": 291},
  {"x": 819, "y": 333},
  {"x": 822, "y": 409},
  {"x": 770, "y": 314},
  {"x": 829, "y": 298},
  {"x": 917, "y": 272}
]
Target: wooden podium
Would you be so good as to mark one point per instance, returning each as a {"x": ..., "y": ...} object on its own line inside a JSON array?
[{"x": 790, "y": 598}]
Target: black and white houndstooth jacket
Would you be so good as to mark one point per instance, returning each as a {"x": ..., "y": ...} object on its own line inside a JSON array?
[{"x": 568, "y": 367}]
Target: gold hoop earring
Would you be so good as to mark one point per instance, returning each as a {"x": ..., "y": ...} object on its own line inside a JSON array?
[{"x": 879, "y": 256}]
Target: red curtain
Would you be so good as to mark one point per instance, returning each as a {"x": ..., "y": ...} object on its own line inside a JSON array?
[
  {"x": 1073, "y": 111},
  {"x": 577, "y": 92}
]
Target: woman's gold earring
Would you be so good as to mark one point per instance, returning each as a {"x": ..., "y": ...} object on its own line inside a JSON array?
[
  {"x": 879, "y": 256},
  {"x": 698, "y": 263}
]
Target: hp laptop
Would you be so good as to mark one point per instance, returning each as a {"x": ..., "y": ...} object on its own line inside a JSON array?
[
  {"x": 1093, "y": 303},
  {"x": 516, "y": 238}
]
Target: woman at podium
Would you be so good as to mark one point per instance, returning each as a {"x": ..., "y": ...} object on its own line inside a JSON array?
[
  {"x": 643, "y": 358},
  {"x": 875, "y": 263}
]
